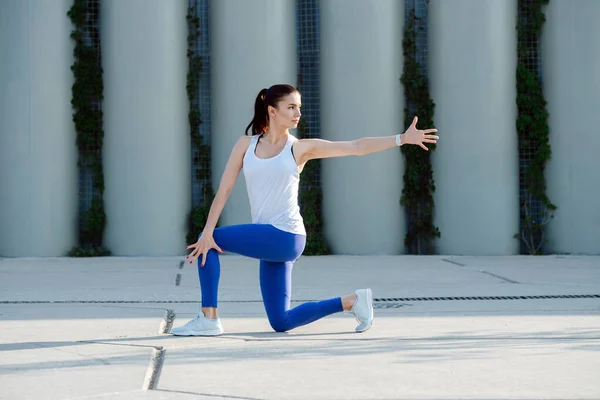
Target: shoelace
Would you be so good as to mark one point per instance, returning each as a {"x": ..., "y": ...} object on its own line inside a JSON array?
[{"x": 198, "y": 317}]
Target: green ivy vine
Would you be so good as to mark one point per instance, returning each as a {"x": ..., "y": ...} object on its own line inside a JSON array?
[
  {"x": 87, "y": 95},
  {"x": 311, "y": 200},
  {"x": 532, "y": 128},
  {"x": 201, "y": 162},
  {"x": 417, "y": 194}
]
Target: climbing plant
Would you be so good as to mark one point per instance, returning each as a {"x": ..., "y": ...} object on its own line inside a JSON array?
[
  {"x": 201, "y": 160},
  {"x": 87, "y": 95},
  {"x": 532, "y": 128},
  {"x": 308, "y": 49},
  {"x": 417, "y": 194},
  {"x": 311, "y": 199}
]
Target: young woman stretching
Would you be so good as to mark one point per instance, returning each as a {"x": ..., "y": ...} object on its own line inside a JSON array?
[{"x": 272, "y": 161}]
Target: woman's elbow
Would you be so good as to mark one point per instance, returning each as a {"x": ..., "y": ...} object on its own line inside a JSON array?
[{"x": 357, "y": 148}]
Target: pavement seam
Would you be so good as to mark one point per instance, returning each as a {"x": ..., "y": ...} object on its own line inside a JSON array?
[
  {"x": 222, "y": 339},
  {"x": 453, "y": 262},
  {"x": 95, "y": 396},
  {"x": 154, "y": 368},
  {"x": 481, "y": 271},
  {"x": 167, "y": 321},
  {"x": 221, "y": 396},
  {"x": 498, "y": 276},
  {"x": 148, "y": 346},
  {"x": 84, "y": 356}
]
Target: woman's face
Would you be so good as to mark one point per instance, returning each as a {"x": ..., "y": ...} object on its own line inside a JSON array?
[{"x": 287, "y": 114}]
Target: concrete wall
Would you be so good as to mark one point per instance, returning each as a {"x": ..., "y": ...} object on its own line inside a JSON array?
[
  {"x": 361, "y": 95},
  {"x": 146, "y": 149},
  {"x": 472, "y": 63},
  {"x": 38, "y": 154},
  {"x": 571, "y": 69},
  {"x": 472, "y": 49},
  {"x": 253, "y": 46}
]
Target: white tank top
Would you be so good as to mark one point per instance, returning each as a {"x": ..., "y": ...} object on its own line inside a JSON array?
[{"x": 272, "y": 185}]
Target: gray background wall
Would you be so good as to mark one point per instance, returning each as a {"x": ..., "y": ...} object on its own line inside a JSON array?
[{"x": 471, "y": 65}]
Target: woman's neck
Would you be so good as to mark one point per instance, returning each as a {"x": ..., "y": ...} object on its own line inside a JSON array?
[{"x": 274, "y": 135}]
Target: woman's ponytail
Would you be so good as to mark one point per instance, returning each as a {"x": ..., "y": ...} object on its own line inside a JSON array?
[{"x": 260, "y": 122}]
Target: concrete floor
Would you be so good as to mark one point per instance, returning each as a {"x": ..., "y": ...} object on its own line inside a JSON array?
[{"x": 88, "y": 328}]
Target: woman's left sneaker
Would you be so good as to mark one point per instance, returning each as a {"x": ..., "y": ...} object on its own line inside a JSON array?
[
  {"x": 199, "y": 326},
  {"x": 363, "y": 309}
]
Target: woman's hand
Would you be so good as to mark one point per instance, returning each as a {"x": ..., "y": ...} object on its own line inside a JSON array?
[
  {"x": 202, "y": 246},
  {"x": 416, "y": 136}
]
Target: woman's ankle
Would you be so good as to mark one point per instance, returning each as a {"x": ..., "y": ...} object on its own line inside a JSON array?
[
  {"x": 210, "y": 312},
  {"x": 348, "y": 301}
]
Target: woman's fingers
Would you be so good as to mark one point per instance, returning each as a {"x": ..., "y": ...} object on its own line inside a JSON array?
[
  {"x": 195, "y": 252},
  {"x": 195, "y": 249},
  {"x": 201, "y": 248},
  {"x": 414, "y": 123},
  {"x": 423, "y": 147},
  {"x": 191, "y": 257},
  {"x": 197, "y": 255}
]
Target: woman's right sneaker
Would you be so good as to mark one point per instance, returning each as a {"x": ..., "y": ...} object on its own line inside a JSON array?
[
  {"x": 363, "y": 309},
  {"x": 199, "y": 326}
]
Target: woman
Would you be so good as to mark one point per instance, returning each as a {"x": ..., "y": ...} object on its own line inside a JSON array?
[{"x": 272, "y": 161}]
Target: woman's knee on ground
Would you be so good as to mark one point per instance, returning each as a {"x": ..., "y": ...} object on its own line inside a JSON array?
[{"x": 279, "y": 323}]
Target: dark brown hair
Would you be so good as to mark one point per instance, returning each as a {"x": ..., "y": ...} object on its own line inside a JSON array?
[{"x": 267, "y": 97}]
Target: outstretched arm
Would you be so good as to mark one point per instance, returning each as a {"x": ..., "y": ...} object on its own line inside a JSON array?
[{"x": 309, "y": 149}]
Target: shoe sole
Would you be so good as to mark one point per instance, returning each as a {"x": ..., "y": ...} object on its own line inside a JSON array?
[
  {"x": 369, "y": 301},
  {"x": 199, "y": 333}
]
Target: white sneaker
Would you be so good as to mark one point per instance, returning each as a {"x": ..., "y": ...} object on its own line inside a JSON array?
[
  {"x": 363, "y": 309},
  {"x": 199, "y": 326}
]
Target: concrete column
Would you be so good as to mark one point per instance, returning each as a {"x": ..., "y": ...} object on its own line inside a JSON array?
[
  {"x": 147, "y": 143},
  {"x": 252, "y": 46},
  {"x": 570, "y": 65},
  {"x": 38, "y": 154},
  {"x": 361, "y": 96},
  {"x": 472, "y": 66}
]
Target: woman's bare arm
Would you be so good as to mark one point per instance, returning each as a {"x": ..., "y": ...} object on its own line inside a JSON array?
[
  {"x": 228, "y": 179},
  {"x": 308, "y": 149}
]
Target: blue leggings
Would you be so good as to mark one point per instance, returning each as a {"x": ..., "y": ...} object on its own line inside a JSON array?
[{"x": 277, "y": 250}]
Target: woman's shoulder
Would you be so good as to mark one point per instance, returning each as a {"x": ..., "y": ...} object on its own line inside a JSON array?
[
  {"x": 245, "y": 139},
  {"x": 292, "y": 140},
  {"x": 242, "y": 144}
]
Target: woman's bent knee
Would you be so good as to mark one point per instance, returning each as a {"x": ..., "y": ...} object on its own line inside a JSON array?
[{"x": 280, "y": 325}]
